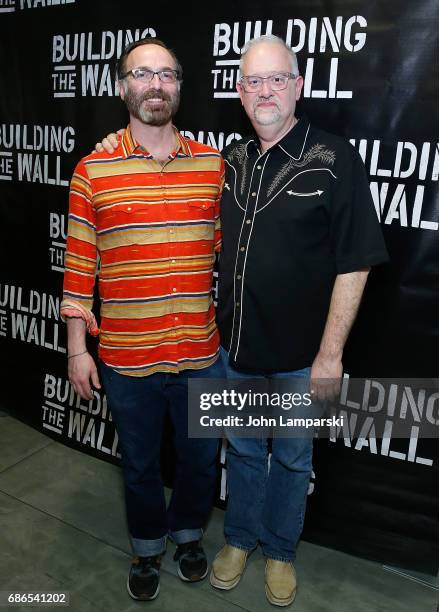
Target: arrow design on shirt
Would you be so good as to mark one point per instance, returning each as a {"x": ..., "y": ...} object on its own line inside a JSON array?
[
  {"x": 305, "y": 195},
  {"x": 226, "y": 186}
]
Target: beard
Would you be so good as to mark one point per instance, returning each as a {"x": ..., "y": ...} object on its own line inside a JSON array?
[
  {"x": 152, "y": 115},
  {"x": 265, "y": 116}
]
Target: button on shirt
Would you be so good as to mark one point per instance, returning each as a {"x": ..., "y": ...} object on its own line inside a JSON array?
[
  {"x": 156, "y": 228},
  {"x": 292, "y": 218}
]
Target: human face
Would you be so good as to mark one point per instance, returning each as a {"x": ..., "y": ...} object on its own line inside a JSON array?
[
  {"x": 153, "y": 103},
  {"x": 267, "y": 107}
]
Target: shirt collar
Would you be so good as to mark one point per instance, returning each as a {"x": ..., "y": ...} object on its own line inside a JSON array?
[
  {"x": 293, "y": 143},
  {"x": 183, "y": 146},
  {"x": 130, "y": 144}
]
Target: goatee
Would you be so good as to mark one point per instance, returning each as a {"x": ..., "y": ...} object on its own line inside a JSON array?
[{"x": 151, "y": 115}]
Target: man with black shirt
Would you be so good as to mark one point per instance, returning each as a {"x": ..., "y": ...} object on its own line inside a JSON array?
[{"x": 299, "y": 236}]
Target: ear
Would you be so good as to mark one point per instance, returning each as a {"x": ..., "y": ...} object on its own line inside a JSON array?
[
  {"x": 299, "y": 86},
  {"x": 122, "y": 90}
]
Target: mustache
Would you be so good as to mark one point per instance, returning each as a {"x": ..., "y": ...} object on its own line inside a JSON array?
[
  {"x": 269, "y": 98},
  {"x": 157, "y": 94},
  {"x": 259, "y": 101}
]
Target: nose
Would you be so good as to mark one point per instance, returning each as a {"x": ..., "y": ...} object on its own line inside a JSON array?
[
  {"x": 265, "y": 90},
  {"x": 154, "y": 77}
]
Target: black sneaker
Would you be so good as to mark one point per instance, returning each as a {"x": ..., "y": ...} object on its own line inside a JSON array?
[
  {"x": 192, "y": 562},
  {"x": 144, "y": 578}
]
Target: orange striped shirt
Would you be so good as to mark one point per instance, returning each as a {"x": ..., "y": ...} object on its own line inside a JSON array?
[{"x": 156, "y": 229}]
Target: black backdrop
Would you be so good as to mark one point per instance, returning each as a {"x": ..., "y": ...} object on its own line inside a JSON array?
[{"x": 371, "y": 74}]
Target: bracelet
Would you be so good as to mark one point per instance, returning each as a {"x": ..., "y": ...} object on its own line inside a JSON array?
[{"x": 77, "y": 354}]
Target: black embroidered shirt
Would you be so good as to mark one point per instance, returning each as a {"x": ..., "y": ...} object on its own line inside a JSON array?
[{"x": 293, "y": 218}]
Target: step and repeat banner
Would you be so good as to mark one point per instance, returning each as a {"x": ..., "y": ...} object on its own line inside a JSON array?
[{"x": 371, "y": 75}]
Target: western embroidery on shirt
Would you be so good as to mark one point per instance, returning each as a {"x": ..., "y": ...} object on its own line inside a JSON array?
[
  {"x": 317, "y": 151},
  {"x": 239, "y": 153}
]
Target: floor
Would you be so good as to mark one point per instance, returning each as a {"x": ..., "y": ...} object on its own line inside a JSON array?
[{"x": 62, "y": 528}]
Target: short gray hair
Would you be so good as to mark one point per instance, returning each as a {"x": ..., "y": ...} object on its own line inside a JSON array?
[{"x": 270, "y": 38}]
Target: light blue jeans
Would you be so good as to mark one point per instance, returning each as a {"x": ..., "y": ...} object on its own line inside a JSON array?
[{"x": 266, "y": 502}]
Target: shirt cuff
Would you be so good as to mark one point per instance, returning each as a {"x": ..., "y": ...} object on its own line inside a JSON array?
[{"x": 75, "y": 310}]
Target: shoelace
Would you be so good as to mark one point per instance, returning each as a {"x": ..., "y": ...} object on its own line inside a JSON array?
[{"x": 145, "y": 564}]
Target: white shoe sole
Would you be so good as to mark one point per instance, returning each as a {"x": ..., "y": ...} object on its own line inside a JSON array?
[{"x": 180, "y": 575}]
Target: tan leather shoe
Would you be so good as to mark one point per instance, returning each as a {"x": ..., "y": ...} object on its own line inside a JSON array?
[
  {"x": 228, "y": 567},
  {"x": 280, "y": 582}
]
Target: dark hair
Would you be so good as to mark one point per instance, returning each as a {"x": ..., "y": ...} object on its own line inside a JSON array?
[{"x": 121, "y": 64}]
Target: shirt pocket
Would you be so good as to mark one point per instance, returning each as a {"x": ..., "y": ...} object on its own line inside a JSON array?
[
  {"x": 202, "y": 219},
  {"x": 126, "y": 224}
]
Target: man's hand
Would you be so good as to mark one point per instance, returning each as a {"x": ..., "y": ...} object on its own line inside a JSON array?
[
  {"x": 83, "y": 374},
  {"x": 326, "y": 373},
  {"x": 109, "y": 143}
]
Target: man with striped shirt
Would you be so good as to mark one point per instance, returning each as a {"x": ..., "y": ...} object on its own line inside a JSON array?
[{"x": 150, "y": 210}]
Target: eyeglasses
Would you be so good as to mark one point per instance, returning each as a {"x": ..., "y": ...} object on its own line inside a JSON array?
[
  {"x": 145, "y": 75},
  {"x": 277, "y": 82}
]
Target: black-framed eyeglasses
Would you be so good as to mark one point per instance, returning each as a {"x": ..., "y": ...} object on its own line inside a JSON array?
[
  {"x": 253, "y": 83},
  {"x": 145, "y": 75}
]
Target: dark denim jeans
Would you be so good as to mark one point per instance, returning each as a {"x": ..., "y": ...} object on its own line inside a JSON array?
[
  {"x": 267, "y": 500},
  {"x": 138, "y": 407}
]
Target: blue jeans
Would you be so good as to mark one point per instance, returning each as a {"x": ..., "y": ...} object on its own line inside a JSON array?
[
  {"x": 266, "y": 503},
  {"x": 138, "y": 407}
]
